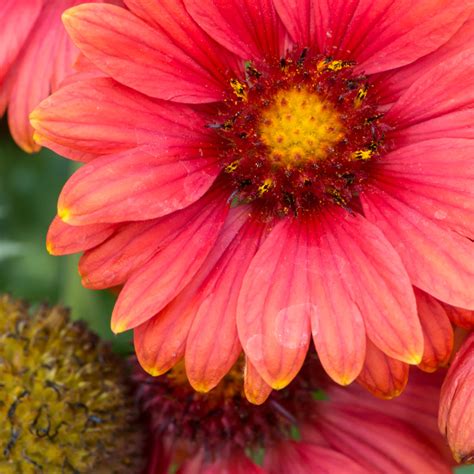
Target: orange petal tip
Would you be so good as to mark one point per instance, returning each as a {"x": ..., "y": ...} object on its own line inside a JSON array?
[
  {"x": 153, "y": 371},
  {"x": 279, "y": 384},
  {"x": 64, "y": 214},
  {"x": 119, "y": 327},
  {"x": 257, "y": 398},
  {"x": 413, "y": 359},
  {"x": 201, "y": 387},
  {"x": 49, "y": 247}
]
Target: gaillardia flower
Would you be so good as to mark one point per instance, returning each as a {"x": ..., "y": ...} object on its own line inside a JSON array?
[
  {"x": 310, "y": 426},
  {"x": 35, "y": 56},
  {"x": 456, "y": 412},
  {"x": 65, "y": 402},
  {"x": 262, "y": 173}
]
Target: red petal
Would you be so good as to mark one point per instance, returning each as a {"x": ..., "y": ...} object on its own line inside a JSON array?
[
  {"x": 438, "y": 261},
  {"x": 256, "y": 389},
  {"x": 303, "y": 458},
  {"x": 45, "y": 60},
  {"x": 390, "y": 86},
  {"x": 144, "y": 58},
  {"x": 169, "y": 271},
  {"x": 374, "y": 33},
  {"x": 436, "y": 92},
  {"x": 213, "y": 346},
  {"x": 160, "y": 342},
  {"x": 136, "y": 184},
  {"x": 249, "y": 29},
  {"x": 463, "y": 318},
  {"x": 17, "y": 22},
  {"x": 435, "y": 177},
  {"x": 381, "y": 375},
  {"x": 437, "y": 331},
  {"x": 273, "y": 315},
  {"x": 100, "y": 116},
  {"x": 337, "y": 323},
  {"x": 376, "y": 282},
  {"x": 134, "y": 243},
  {"x": 63, "y": 239},
  {"x": 456, "y": 412},
  {"x": 381, "y": 443}
]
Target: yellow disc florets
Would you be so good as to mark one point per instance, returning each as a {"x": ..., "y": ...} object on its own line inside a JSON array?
[
  {"x": 64, "y": 403},
  {"x": 300, "y": 126}
]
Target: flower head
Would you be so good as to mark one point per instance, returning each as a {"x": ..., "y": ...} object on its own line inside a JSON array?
[
  {"x": 65, "y": 403},
  {"x": 35, "y": 57},
  {"x": 260, "y": 174},
  {"x": 456, "y": 414},
  {"x": 299, "y": 429}
]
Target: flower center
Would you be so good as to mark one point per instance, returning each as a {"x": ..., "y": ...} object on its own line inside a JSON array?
[
  {"x": 222, "y": 419},
  {"x": 299, "y": 126},
  {"x": 299, "y": 133}
]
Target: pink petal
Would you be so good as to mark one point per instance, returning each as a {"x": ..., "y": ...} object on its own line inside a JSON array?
[
  {"x": 381, "y": 375},
  {"x": 376, "y": 283},
  {"x": 100, "y": 116},
  {"x": 438, "y": 261},
  {"x": 251, "y": 30},
  {"x": 160, "y": 342},
  {"x": 148, "y": 59},
  {"x": 63, "y": 239},
  {"x": 137, "y": 184},
  {"x": 170, "y": 270},
  {"x": 437, "y": 331},
  {"x": 274, "y": 308},
  {"x": 17, "y": 22},
  {"x": 256, "y": 389},
  {"x": 213, "y": 345},
  {"x": 436, "y": 178}
]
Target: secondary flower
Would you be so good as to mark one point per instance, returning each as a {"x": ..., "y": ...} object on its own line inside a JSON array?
[
  {"x": 300, "y": 429},
  {"x": 35, "y": 56},
  {"x": 456, "y": 414},
  {"x": 66, "y": 405},
  {"x": 260, "y": 174}
]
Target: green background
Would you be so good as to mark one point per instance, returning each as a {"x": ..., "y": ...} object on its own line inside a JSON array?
[{"x": 29, "y": 187}]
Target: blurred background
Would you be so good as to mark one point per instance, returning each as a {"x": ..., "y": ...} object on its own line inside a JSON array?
[{"x": 29, "y": 188}]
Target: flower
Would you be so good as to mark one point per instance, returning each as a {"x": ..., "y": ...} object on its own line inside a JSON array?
[
  {"x": 35, "y": 56},
  {"x": 456, "y": 412},
  {"x": 260, "y": 174},
  {"x": 296, "y": 430},
  {"x": 65, "y": 403}
]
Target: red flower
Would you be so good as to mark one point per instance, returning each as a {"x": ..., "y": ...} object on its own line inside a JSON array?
[
  {"x": 35, "y": 56},
  {"x": 262, "y": 173},
  {"x": 347, "y": 431},
  {"x": 456, "y": 413}
]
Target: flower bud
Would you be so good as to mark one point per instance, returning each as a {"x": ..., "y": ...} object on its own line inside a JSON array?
[{"x": 456, "y": 413}]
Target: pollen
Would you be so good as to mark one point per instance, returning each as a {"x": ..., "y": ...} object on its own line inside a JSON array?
[{"x": 300, "y": 126}]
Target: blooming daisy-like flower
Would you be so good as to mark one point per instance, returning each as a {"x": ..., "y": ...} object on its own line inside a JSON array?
[
  {"x": 300, "y": 429},
  {"x": 262, "y": 173},
  {"x": 35, "y": 56}
]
